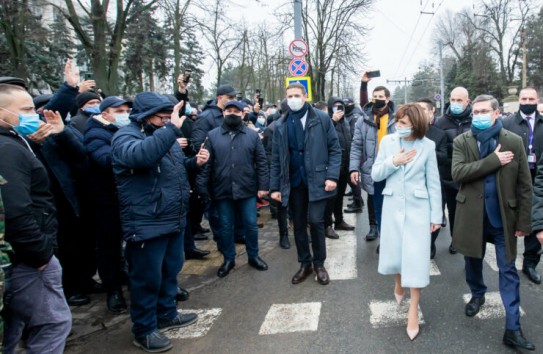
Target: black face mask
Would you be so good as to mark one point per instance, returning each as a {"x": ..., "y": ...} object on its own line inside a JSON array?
[
  {"x": 380, "y": 104},
  {"x": 528, "y": 109},
  {"x": 349, "y": 109},
  {"x": 232, "y": 120}
]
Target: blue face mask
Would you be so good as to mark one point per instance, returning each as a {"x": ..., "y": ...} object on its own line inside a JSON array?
[
  {"x": 482, "y": 121},
  {"x": 28, "y": 123},
  {"x": 92, "y": 110},
  {"x": 121, "y": 120},
  {"x": 188, "y": 110},
  {"x": 404, "y": 132},
  {"x": 456, "y": 108}
]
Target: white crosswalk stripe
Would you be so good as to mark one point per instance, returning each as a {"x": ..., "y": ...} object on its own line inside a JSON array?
[
  {"x": 206, "y": 318},
  {"x": 288, "y": 318},
  {"x": 492, "y": 308},
  {"x": 490, "y": 255},
  {"x": 390, "y": 314},
  {"x": 434, "y": 270}
]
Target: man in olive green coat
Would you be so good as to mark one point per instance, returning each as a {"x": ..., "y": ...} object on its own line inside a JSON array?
[{"x": 493, "y": 205}]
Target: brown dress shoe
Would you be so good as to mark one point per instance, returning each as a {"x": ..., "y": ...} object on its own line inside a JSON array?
[
  {"x": 302, "y": 274},
  {"x": 344, "y": 226},
  {"x": 322, "y": 275},
  {"x": 330, "y": 233}
]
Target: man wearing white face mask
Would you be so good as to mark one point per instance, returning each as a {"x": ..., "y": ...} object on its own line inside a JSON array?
[
  {"x": 99, "y": 131},
  {"x": 455, "y": 121},
  {"x": 306, "y": 159},
  {"x": 494, "y": 205},
  {"x": 33, "y": 297}
]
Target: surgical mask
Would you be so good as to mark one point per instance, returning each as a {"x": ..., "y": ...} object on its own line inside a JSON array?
[
  {"x": 379, "y": 103},
  {"x": 92, "y": 110},
  {"x": 404, "y": 132},
  {"x": 456, "y": 108},
  {"x": 188, "y": 110},
  {"x": 273, "y": 111},
  {"x": 28, "y": 123},
  {"x": 295, "y": 103},
  {"x": 121, "y": 120},
  {"x": 528, "y": 109},
  {"x": 482, "y": 121},
  {"x": 261, "y": 120}
]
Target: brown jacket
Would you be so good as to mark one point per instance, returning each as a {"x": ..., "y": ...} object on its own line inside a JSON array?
[{"x": 514, "y": 192}]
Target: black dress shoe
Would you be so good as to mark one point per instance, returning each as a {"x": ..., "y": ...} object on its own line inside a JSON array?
[
  {"x": 258, "y": 263},
  {"x": 373, "y": 233},
  {"x": 116, "y": 303},
  {"x": 182, "y": 294},
  {"x": 377, "y": 250},
  {"x": 452, "y": 250},
  {"x": 532, "y": 274},
  {"x": 225, "y": 268},
  {"x": 473, "y": 306},
  {"x": 154, "y": 342},
  {"x": 357, "y": 208},
  {"x": 196, "y": 254},
  {"x": 78, "y": 300},
  {"x": 199, "y": 237},
  {"x": 516, "y": 339},
  {"x": 284, "y": 242},
  {"x": 302, "y": 274},
  {"x": 344, "y": 226},
  {"x": 330, "y": 233},
  {"x": 322, "y": 275},
  {"x": 179, "y": 321}
]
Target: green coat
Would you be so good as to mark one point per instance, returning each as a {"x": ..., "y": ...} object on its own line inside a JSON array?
[{"x": 514, "y": 185}]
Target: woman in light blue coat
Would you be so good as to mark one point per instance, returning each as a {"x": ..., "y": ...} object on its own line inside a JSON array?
[{"x": 411, "y": 208}]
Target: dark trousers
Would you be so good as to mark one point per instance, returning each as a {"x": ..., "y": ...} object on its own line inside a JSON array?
[
  {"x": 154, "y": 265},
  {"x": 371, "y": 211},
  {"x": 357, "y": 191},
  {"x": 509, "y": 281},
  {"x": 531, "y": 251},
  {"x": 109, "y": 251},
  {"x": 34, "y": 301},
  {"x": 335, "y": 204},
  {"x": 304, "y": 212},
  {"x": 449, "y": 195},
  {"x": 188, "y": 239},
  {"x": 282, "y": 217},
  {"x": 230, "y": 212},
  {"x": 378, "y": 201},
  {"x": 214, "y": 219},
  {"x": 196, "y": 213}
]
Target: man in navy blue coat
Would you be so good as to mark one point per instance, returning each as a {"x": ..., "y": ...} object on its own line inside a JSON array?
[
  {"x": 236, "y": 174},
  {"x": 153, "y": 189},
  {"x": 306, "y": 158}
]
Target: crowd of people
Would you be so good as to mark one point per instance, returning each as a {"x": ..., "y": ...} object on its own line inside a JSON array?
[{"x": 119, "y": 187}]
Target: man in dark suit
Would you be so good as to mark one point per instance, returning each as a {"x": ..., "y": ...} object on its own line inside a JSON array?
[
  {"x": 494, "y": 205},
  {"x": 439, "y": 137},
  {"x": 528, "y": 124}
]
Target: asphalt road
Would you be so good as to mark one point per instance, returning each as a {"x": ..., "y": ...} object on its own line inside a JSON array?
[{"x": 262, "y": 312}]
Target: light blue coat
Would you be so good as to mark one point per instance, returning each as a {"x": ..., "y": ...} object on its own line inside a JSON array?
[{"x": 412, "y": 201}]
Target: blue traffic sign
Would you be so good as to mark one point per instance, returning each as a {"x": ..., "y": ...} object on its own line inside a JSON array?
[{"x": 298, "y": 67}]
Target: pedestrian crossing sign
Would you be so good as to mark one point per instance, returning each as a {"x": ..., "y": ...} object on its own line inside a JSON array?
[{"x": 304, "y": 80}]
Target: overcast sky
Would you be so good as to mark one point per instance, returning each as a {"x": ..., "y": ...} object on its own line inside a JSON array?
[{"x": 399, "y": 39}]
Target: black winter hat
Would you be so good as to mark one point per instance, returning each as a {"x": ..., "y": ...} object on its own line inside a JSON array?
[
  {"x": 83, "y": 98},
  {"x": 10, "y": 80}
]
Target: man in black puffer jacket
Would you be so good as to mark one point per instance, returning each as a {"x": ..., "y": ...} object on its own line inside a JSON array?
[
  {"x": 236, "y": 174},
  {"x": 336, "y": 111},
  {"x": 455, "y": 121},
  {"x": 152, "y": 184}
]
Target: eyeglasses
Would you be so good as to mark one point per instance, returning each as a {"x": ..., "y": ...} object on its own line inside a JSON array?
[
  {"x": 163, "y": 118},
  {"x": 484, "y": 111}
]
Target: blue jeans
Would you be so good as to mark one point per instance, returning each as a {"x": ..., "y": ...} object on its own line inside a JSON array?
[
  {"x": 229, "y": 210},
  {"x": 154, "y": 265},
  {"x": 215, "y": 224},
  {"x": 508, "y": 277},
  {"x": 378, "y": 201}
]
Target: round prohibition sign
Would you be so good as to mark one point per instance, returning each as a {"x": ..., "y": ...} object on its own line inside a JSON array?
[
  {"x": 298, "y": 67},
  {"x": 298, "y": 48}
]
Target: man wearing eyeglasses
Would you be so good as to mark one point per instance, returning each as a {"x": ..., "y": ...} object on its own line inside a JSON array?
[
  {"x": 493, "y": 205},
  {"x": 153, "y": 190},
  {"x": 528, "y": 124}
]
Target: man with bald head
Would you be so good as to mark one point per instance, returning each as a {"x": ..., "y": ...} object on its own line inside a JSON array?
[
  {"x": 528, "y": 124},
  {"x": 33, "y": 296},
  {"x": 455, "y": 121}
]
